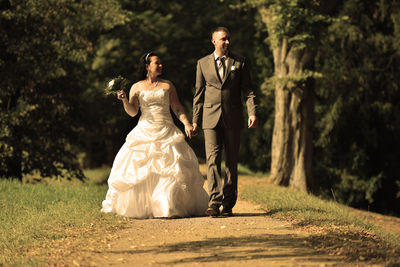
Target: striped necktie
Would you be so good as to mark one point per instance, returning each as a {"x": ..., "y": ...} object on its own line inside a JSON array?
[{"x": 222, "y": 68}]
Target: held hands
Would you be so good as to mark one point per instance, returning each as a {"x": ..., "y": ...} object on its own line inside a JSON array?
[
  {"x": 252, "y": 122},
  {"x": 189, "y": 130},
  {"x": 195, "y": 129}
]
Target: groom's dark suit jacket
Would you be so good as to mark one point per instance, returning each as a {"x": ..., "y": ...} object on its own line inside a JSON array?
[{"x": 214, "y": 97}]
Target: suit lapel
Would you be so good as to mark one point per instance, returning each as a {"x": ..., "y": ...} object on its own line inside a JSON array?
[
  {"x": 230, "y": 62},
  {"x": 213, "y": 67},
  {"x": 211, "y": 71}
]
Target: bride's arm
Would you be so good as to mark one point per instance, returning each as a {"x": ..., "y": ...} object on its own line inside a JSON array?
[
  {"x": 131, "y": 106},
  {"x": 178, "y": 110}
]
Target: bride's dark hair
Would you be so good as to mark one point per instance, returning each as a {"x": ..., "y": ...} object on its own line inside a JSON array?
[{"x": 144, "y": 59}]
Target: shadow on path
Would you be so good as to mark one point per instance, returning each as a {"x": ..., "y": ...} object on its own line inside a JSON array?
[{"x": 265, "y": 246}]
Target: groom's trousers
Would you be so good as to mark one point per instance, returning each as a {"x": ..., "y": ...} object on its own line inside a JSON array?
[{"x": 219, "y": 139}]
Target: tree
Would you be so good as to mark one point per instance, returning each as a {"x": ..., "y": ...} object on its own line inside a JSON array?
[
  {"x": 45, "y": 46},
  {"x": 358, "y": 107},
  {"x": 293, "y": 27}
]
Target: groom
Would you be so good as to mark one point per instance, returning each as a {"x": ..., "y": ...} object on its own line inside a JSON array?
[{"x": 222, "y": 80}]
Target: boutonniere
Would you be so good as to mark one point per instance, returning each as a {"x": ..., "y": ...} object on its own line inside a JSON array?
[{"x": 233, "y": 68}]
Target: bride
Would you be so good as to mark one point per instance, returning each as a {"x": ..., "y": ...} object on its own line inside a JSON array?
[{"x": 155, "y": 173}]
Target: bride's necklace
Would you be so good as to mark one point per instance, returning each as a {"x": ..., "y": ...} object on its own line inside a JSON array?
[{"x": 152, "y": 85}]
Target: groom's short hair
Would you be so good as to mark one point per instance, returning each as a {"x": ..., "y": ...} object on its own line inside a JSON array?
[{"x": 220, "y": 29}]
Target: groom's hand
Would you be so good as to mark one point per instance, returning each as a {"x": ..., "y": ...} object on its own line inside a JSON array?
[{"x": 195, "y": 129}]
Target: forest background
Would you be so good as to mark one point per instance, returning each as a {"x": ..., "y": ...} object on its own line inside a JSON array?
[{"x": 56, "y": 57}]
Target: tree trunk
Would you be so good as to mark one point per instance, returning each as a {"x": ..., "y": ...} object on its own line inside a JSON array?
[{"x": 291, "y": 155}]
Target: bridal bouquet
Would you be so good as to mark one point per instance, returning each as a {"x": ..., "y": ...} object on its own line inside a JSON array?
[{"x": 116, "y": 84}]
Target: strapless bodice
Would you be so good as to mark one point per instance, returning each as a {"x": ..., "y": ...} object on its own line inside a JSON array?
[{"x": 154, "y": 105}]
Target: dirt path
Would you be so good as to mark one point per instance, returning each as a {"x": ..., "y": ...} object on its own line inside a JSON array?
[{"x": 250, "y": 238}]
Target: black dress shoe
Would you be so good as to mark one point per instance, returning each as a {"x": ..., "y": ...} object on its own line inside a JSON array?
[
  {"x": 226, "y": 212},
  {"x": 212, "y": 211}
]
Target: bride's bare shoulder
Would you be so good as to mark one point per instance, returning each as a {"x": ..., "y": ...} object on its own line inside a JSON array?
[
  {"x": 137, "y": 87},
  {"x": 166, "y": 84},
  {"x": 138, "y": 84}
]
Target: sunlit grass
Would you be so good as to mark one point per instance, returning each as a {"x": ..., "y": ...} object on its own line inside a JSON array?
[
  {"x": 244, "y": 170},
  {"x": 296, "y": 205},
  {"x": 35, "y": 214},
  {"x": 307, "y": 210},
  {"x": 97, "y": 176}
]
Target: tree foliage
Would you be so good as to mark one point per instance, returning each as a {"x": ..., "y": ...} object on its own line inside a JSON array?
[
  {"x": 357, "y": 146},
  {"x": 44, "y": 49}
]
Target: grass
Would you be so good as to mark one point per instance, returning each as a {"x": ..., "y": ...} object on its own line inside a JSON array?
[
  {"x": 334, "y": 227},
  {"x": 243, "y": 170},
  {"x": 36, "y": 215}
]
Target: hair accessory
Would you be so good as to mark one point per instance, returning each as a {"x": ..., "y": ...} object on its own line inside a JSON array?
[{"x": 146, "y": 59}]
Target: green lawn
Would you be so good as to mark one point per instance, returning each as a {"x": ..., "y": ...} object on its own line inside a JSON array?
[{"x": 33, "y": 215}]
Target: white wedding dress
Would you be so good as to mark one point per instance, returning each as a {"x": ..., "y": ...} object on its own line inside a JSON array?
[{"x": 155, "y": 173}]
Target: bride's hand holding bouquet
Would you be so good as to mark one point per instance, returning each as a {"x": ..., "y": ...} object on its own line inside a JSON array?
[
  {"x": 116, "y": 86},
  {"x": 121, "y": 95}
]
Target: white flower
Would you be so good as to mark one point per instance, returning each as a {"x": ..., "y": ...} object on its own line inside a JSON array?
[
  {"x": 115, "y": 85},
  {"x": 233, "y": 68}
]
